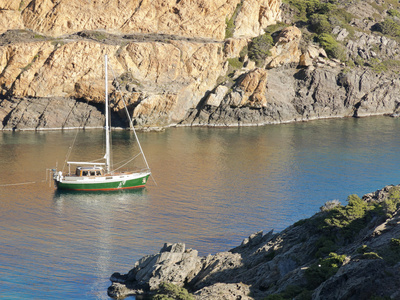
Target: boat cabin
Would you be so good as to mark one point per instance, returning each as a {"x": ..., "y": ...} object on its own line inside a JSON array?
[{"x": 89, "y": 171}]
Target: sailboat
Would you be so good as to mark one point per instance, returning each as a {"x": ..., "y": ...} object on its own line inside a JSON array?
[{"x": 98, "y": 176}]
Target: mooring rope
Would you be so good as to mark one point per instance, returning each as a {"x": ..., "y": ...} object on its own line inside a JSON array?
[{"x": 21, "y": 183}]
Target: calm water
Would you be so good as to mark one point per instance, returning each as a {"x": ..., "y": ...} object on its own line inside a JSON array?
[{"x": 214, "y": 188}]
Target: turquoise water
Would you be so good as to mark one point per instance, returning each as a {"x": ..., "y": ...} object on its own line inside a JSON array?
[{"x": 214, "y": 188}]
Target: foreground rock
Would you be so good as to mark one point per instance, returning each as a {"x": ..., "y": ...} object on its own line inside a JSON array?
[{"x": 342, "y": 252}]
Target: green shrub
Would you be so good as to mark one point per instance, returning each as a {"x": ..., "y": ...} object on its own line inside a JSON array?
[
  {"x": 235, "y": 63},
  {"x": 393, "y": 12},
  {"x": 392, "y": 203},
  {"x": 306, "y": 8},
  {"x": 323, "y": 269},
  {"x": 363, "y": 249},
  {"x": 320, "y": 24},
  {"x": 230, "y": 23},
  {"x": 259, "y": 47},
  {"x": 371, "y": 255},
  {"x": 342, "y": 223},
  {"x": 342, "y": 217},
  {"x": 391, "y": 253},
  {"x": 230, "y": 27},
  {"x": 331, "y": 46},
  {"x": 169, "y": 291},
  {"x": 325, "y": 245},
  {"x": 390, "y": 27},
  {"x": 395, "y": 244}
]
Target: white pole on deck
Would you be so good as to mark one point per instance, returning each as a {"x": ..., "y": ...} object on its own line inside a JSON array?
[{"x": 107, "y": 156}]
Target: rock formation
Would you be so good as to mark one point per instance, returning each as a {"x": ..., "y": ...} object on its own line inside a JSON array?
[
  {"x": 349, "y": 252},
  {"x": 185, "y": 63},
  {"x": 167, "y": 55}
]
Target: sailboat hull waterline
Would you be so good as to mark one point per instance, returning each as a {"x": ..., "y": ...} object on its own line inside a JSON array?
[
  {"x": 98, "y": 176},
  {"x": 104, "y": 183}
]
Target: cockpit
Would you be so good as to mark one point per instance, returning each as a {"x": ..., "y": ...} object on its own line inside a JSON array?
[{"x": 89, "y": 171}]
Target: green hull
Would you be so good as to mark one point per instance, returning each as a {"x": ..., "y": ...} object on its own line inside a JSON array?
[{"x": 135, "y": 183}]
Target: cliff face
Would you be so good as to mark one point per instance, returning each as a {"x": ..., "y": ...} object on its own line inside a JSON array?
[
  {"x": 214, "y": 63},
  {"x": 166, "y": 54},
  {"x": 159, "y": 74}
]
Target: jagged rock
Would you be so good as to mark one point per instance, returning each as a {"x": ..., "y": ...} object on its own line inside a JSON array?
[
  {"x": 364, "y": 45},
  {"x": 360, "y": 280},
  {"x": 308, "y": 94},
  {"x": 199, "y": 18},
  {"x": 341, "y": 33},
  {"x": 311, "y": 53},
  {"x": 49, "y": 113},
  {"x": 167, "y": 72},
  {"x": 270, "y": 264},
  {"x": 249, "y": 91},
  {"x": 215, "y": 98},
  {"x": 286, "y": 49},
  {"x": 169, "y": 56},
  {"x": 172, "y": 264},
  {"x": 174, "y": 66},
  {"x": 265, "y": 12},
  {"x": 221, "y": 291},
  {"x": 232, "y": 47},
  {"x": 253, "y": 85}
]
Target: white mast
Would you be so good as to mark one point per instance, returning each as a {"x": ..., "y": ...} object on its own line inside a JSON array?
[{"x": 107, "y": 156}]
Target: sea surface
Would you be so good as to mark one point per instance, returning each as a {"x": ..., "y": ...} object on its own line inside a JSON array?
[{"x": 211, "y": 188}]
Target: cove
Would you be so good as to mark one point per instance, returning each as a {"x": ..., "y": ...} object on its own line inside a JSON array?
[{"x": 215, "y": 187}]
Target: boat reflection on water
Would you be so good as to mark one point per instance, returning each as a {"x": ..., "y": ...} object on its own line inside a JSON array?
[
  {"x": 101, "y": 204},
  {"x": 96, "y": 225},
  {"x": 63, "y": 194}
]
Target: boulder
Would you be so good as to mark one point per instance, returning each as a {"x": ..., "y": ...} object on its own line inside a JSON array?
[
  {"x": 172, "y": 264},
  {"x": 286, "y": 49}
]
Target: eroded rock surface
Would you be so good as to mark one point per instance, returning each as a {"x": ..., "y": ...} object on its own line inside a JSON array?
[{"x": 266, "y": 264}]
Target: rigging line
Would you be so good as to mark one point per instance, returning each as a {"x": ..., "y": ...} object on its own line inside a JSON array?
[
  {"x": 70, "y": 150},
  {"x": 81, "y": 124},
  {"x": 127, "y": 162},
  {"x": 96, "y": 160},
  {"x": 131, "y": 125},
  {"x": 130, "y": 121}
]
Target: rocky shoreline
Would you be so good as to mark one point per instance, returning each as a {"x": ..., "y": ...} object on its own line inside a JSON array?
[{"x": 342, "y": 252}]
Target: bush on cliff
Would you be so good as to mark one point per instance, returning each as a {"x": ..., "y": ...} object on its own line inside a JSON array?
[
  {"x": 320, "y": 23},
  {"x": 259, "y": 47},
  {"x": 169, "y": 291},
  {"x": 230, "y": 23},
  {"x": 331, "y": 46},
  {"x": 323, "y": 269},
  {"x": 341, "y": 224},
  {"x": 308, "y": 7},
  {"x": 389, "y": 27},
  {"x": 392, "y": 203}
]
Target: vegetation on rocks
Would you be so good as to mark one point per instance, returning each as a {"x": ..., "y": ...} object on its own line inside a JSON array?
[
  {"x": 230, "y": 23},
  {"x": 258, "y": 49},
  {"x": 328, "y": 256},
  {"x": 323, "y": 269},
  {"x": 169, "y": 291}
]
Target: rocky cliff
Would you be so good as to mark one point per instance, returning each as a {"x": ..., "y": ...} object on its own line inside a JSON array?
[
  {"x": 213, "y": 63},
  {"x": 342, "y": 252},
  {"x": 165, "y": 54}
]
